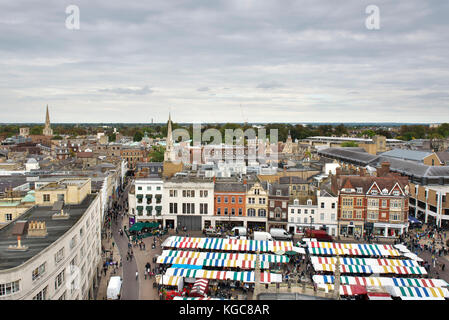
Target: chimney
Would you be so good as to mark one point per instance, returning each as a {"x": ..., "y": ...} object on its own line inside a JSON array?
[
  {"x": 244, "y": 181},
  {"x": 337, "y": 171},
  {"x": 384, "y": 169},
  {"x": 362, "y": 172},
  {"x": 214, "y": 179}
]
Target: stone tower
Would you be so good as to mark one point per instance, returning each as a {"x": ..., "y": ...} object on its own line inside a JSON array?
[{"x": 47, "y": 130}]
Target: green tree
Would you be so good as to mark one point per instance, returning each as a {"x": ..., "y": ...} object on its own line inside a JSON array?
[
  {"x": 349, "y": 144},
  {"x": 138, "y": 135}
]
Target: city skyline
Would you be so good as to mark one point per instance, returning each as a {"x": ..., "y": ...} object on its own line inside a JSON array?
[{"x": 227, "y": 61}]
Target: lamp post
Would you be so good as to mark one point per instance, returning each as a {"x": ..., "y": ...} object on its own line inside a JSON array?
[{"x": 337, "y": 279}]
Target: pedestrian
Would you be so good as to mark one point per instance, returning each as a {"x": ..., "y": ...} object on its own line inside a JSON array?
[{"x": 137, "y": 275}]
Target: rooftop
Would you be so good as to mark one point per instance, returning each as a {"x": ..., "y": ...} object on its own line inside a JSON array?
[
  {"x": 55, "y": 229},
  {"x": 407, "y": 154}
]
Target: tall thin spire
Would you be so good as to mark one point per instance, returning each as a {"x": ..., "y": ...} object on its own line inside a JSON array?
[
  {"x": 168, "y": 155},
  {"x": 47, "y": 118},
  {"x": 47, "y": 129}
]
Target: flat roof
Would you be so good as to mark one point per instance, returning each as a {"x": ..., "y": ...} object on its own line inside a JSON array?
[{"x": 55, "y": 229}]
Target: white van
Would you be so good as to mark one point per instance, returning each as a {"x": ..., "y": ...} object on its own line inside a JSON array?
[
  {"x": 114, "y": 288},
  {"x": 260, "y": 235},
  {"x": 280, "y": 234},
  {"x": 239, "y": 231}
]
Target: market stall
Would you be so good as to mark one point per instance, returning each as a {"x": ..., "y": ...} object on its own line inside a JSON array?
[
  {"x": 381, "y": 281},
  {"x": 199, "y": 288},
  {"x": 419, "y": 293}
]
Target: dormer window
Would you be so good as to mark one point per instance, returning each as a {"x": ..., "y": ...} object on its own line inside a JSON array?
[
  {"x": 374, "y": 192},
  {"x": 359, "y": 190},
  {"x": 309, "y": 202},
  {"x": 396, "y": 193},
  {"x": 385, "y": 191},
  {"x": 278, "y": 192},
  {"x": 296, "y": 202}
]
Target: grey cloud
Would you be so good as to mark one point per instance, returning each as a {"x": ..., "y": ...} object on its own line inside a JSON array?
[
  {"x": 269, "y": 85},
  {"x": 141, "y": 91}
]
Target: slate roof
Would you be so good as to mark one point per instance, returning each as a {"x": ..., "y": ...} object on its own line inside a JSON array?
[{"x": 407, "y": 154}]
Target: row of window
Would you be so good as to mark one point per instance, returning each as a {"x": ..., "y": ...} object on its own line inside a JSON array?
[
  {"x": 158, "y": 188},
  {"x": 252, "y": 200},
  {"x": 226, "y": 199},
  {"x": 306, "y": 211},
  {"x": 226, "y": 211},
  {"x": 394, "y": 203},
  {"x": 371, "y": 215},
  {"x": 187, "y": 208}
]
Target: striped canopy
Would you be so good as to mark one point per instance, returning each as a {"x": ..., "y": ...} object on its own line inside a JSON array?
[
  {"x": 365, "y": 261},
  {"x": 419, "y": 293},
  {"x": 169, "y": 280},
  {"x": 351, "y": 249},
  {"x": 370, "y": 269},
  {"x": 243, "y": 276},
  {"x": 345, "y": 290},
  {"x": 225, "y": 256},
  {"x": 227, "y": 244},
  {"x": 381, "y": 281}
]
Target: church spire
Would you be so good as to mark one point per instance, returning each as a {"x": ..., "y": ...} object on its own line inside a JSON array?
[
  {"x": 168, "y": 156},
  {"x": 47, "y": 129}
]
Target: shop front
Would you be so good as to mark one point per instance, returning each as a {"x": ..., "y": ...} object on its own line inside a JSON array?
[
  {"x": 351, "y": 229},
  {"x": 257, "y": 225},
  {"x": 388, "y": 230},
  {"x": 228, "y": 225}
]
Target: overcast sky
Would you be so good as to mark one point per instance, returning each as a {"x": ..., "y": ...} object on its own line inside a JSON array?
[{"x": 220, "y": 61}]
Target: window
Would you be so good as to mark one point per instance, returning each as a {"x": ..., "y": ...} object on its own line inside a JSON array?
[
  {"x": 372, "y": 215},
  {"x": 73, "y": 242},
  {"x": 292, "y": 211},
  {"x": 333, "y": 217},
  {"x": 322, "y": 205},
  {"x": 140, "y": 188},
  {"x": 373, "y": 203},
  {"x": 39, "y": 271},
  {"x": 9, "y": 288},
  {"x": 261, "y": 200},
  {"x": 233, "y": 200},
  {"x": 233, "y": 211},
  {"x": 299, "y": 211},
  {"x": 272, "y": 203},
  {"x": 347, "y": 202},
  {"x": 173, "y": 193},
  {"x": 251, "y": 212},
  {"x": 262, "y": 213},
  {"x": 240, "y": 211},
  {"x": 8, "y": 216},
  {"x": 359, "y": 202},
  {"x": 384, "y": 203},
  {"x": 374, "y": 192},
  {"x": 226, "y": 211},
  {"x": 284, "y": 204},
  {"x": 395, "y": 216},
  {"x": 358, "y": 214},
  {"x": 218, "y": 211},
  {"x": 396, "y": 193},
  {"x": 46, "y": 197},
  {"x": 395, "y": 204},
  {"x": 333, "y": 205},
  {"x": 203, "y": 208},
  {"x": 305, "y": 220},
  {"x": 240, "y": 199},
  {"x": 81, "y": 232},
  {"x": 42, "y": 295},
  {"x": 306, "y": 211},
  {"x": 149, "y": 188},
  {"x": 59, "y": 280},
  {"x": 312, "y": 211},
  {"x": 218, "y": 199},
  {"x": 59, "y": 255},
  {"x": 347, "y": 214},
  {"x": 359, "y": 190},
  {"x": 173, "y": 208},
  {"x": 158, "y": 188},
  {"x": 322, "y": 216},
  {"x": 184, "y": 193},
  {"x": 225, "y": 199}
]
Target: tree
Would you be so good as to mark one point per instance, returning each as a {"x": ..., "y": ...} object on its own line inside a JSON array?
[
  {"x": 36, "y": 130},
  {"x": 341, "y": 130},
  {"x": 138, "y": 136},
  {"x": 349, "y": 144},
  {"x": 157, "y": 154}
]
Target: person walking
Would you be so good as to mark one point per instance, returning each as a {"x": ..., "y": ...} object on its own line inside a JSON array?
[{"x": 137, "y": 275}]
